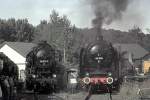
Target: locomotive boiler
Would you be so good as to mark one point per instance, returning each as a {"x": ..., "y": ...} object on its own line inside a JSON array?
[
  {"x": 99, "y": 67},
  {"x": 41, "y": 69}
]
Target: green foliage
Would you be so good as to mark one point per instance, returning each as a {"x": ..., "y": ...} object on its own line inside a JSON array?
[
  {"x": 24, "y": 31},
  {"x": 137, "y": 33},
  {"x": 67, "y": 38},
  {"x": 16, "y": 30},
  {"x": 59, "y": 32}
]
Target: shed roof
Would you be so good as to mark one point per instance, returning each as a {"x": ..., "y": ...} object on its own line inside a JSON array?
[
  {"x": 135, "y": 49},
  {"x": 20, "y": 47}
]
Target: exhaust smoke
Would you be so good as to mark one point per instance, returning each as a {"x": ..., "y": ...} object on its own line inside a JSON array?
[{"x": 107, "y": 11}]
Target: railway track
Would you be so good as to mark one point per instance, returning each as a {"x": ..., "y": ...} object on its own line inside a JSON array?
[{"x": 129, "y": 91}]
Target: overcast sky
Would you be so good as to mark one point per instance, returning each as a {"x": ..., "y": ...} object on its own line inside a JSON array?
[{"x": 79, "y": 12}]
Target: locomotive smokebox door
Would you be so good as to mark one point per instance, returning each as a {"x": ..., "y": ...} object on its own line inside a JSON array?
[{"x": 72, "y": 75}]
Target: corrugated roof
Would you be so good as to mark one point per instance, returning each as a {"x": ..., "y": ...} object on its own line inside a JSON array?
[
  {"x": 134, "y": 49},
  {"x": 21, "y": 47}
]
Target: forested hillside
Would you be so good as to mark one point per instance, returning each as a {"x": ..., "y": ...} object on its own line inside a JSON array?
[
  {"x": 66, "y": 37},
  {"x": 135, "y": 35}
]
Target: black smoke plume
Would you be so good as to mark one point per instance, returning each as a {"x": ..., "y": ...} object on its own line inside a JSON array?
[{"x": 107, "y": 11}]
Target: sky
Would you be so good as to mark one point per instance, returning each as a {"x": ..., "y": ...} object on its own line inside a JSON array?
[{"x": 78, "y": 12}]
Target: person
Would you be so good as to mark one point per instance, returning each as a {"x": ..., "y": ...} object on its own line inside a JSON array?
[
  {"x": 8, "y": 73},
  {"x": 4, "y": 82},
  {"x": 89, "y": 94}
]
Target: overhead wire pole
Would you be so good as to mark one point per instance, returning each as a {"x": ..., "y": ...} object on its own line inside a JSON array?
[
  {"x": 67, "y": 30},
  {"x": 64, "y": 50}
]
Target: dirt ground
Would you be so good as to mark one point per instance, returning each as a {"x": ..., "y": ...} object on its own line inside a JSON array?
[{"x": 129, "y": 91}]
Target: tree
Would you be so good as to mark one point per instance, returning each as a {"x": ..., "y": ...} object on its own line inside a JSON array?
[
  {"x": 24, "y": 31},
  {"x": 61, "y": 34},
  {"x": 137, "y": 33},
  {"x": 12, "y": 30},
  {"x": 58, "y": 31}
]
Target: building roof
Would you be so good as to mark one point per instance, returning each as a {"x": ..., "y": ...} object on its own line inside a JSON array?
[
  {"x": 147, "y": 56},
  {"x": 136, "y": 50},
  {"x": 20, "y": 47}
]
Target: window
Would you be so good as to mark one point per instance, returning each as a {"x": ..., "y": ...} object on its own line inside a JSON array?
[{"x": 22, "y": 75}]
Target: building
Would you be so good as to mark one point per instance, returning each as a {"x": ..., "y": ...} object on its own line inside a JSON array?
[
  {"x": 146, "y": 63},
  {"x": 133, "y": 54},
  {"x": 17, "y": 51}
]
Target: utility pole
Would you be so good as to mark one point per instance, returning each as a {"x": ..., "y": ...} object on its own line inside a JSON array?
[
  {"x": 67, "y": 31},
  {"x": 64, "y": 50}
]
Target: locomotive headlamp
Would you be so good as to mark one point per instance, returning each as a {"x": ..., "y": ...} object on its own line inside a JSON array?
[
  {"x": 109, "y": 74},
  {"x": 33, "y": 76},
  {"x": 87, "y": 74},
  {"x": 54, "y": 75},
  {"x": 109, "y": 80}
]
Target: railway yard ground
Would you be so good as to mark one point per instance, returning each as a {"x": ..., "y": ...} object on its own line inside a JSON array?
[{"x": 132, "y": 90}]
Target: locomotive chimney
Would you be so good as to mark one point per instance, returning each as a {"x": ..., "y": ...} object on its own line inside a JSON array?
[
  {"x": 97, "y": 23},
  {"x": 99, "y": 36}
]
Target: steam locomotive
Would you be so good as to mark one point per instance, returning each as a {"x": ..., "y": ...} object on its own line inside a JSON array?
[
  {"x": 99, "y": 67},
  {"x": 42, "y": 69}
]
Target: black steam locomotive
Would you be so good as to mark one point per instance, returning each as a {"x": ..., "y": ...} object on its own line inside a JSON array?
[
  {"x": 99, "y": 67},
  {"x": 41, "y": 69}
]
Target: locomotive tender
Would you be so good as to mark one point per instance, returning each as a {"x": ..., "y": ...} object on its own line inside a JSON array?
[
  {"x": 99, "y": 67},
  {"x": 41, "y": 69}
]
